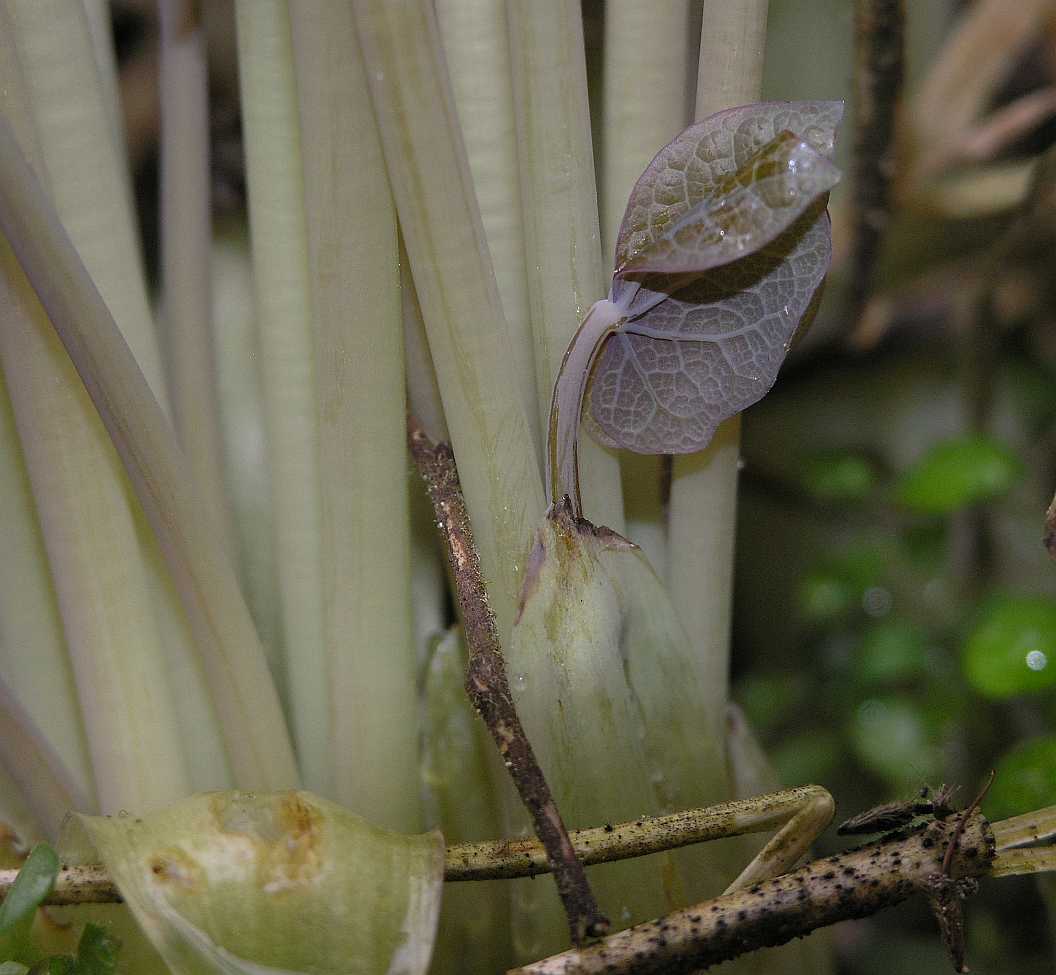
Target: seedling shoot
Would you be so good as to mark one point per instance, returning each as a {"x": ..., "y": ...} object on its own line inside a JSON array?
[{"x": 724, "y": 245}]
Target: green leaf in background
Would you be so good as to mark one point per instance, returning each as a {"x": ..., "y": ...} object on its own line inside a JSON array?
[
  {"x": 958, "y": 473},
  {"x": 56, "y": 965},
  {"x": 31, "y": 886},
  {"x": 837, "y": 476},
  {"x": 771, "y": 699},
  {"x": 1024, "y": 779},
  {"x": 97, "y": 951},
  {"x": 892, "y": 739},
  {"x": 810, "y": 757},
  {"x": 835, "y": 589},
  {"x": 1012, "y": 648},
  {"x": 237, "y": 883},
  {"x": 891, "y": 651}
]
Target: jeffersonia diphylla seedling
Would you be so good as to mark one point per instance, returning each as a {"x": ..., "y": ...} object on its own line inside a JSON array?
[{"x": 722, "y": 251}]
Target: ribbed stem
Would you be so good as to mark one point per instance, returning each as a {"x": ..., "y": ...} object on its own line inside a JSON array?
[
  {"x": 253, "y": 726},
  {"x": 284, "y": 326},
  {"x": 566, "y": 272},
  {"x": 355, "y": 288},
  {"x": 476, "y": 41},
  {"x": 468, "y": 339},
  {"x": 186, "y": 236}
]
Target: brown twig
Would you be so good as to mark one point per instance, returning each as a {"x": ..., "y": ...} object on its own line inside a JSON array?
[
  {"x": 507, "y": 859},
  {"x": 837, "y": 888},
  {"x": 489, "y": 689},
  {"x": 878, "y": 83},
  {"x": 951, "y": 850}
]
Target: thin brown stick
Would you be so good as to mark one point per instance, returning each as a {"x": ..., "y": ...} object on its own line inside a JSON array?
[
  {"x": 87, "y": 884},
  {"x": 879, "y": 30},
  {"x": 489, "y": 689},
  {"x": 962, "y": 820},
  {"x": 848, "y": 885}
]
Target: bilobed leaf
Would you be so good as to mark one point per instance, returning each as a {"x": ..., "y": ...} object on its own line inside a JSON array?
[
  {"x": 700, "y": 162},
  {"x": 273, "y": 884},
  {"x": 721, "y": 254},
  {"x": 743, "y": 211},
  {"x": 714, "y": 347}
]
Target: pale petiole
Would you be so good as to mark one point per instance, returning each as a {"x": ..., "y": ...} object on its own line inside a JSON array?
[{"x": 566, "y": 405}]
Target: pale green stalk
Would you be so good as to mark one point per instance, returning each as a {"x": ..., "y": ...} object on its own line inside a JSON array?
[
  {"x": 199, "y": 724},
  {"x": 42, "y": 779},
  {"x": 21, "y": 828},
  {"x": 245, "y": 453},
  {"x": 643, "y": 108},
  {"x": 86, "y": 514},
  {"x": 101, "y": 32},
  {"x": 460, "y": 302},
  {"x": 186, "y": 301},
  {"x": 185, "y": 251},
  {"x": 476, "y": 43},
  {"x": 423, "y": 390},
  {"x": 730, "y": 66},
  {"x": 566, "y": 273},
  {"x": 254, "y": 730},
  {"x": 284, "y": 325},
  {"x": 703, "y": 506},
  {"x": 643, "y": 97},
  {"x": 71, "y": 82},
  {"x": 355, "y": 290},
  {"x": 33, "y": 658},
  {"x": 83, "y": 165},
  {"x": 96, "y": 561}
]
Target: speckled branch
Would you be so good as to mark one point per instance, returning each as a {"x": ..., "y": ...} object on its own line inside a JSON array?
[
  {"x": 849, "y": 885},
  {"x": 489, "y": 689}
]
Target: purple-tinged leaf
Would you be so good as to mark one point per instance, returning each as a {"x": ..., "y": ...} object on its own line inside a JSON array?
[
  {"x": 667, "y": 379},
  {"x": 693, "y": 167},
  {"x": 743, "y": 211}
]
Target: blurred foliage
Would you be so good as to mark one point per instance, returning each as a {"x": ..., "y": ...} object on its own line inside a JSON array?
[
  {"x": 35, "y": 879},
  {"x": 895, "y": 618},
  {"x": 838, "y": 475},
  {"x": 958, "y": 473},
  {"x": 1025, "y": 779},
  {"x": 20, "y": 952},
  {"x": 1012, "y": 647}
]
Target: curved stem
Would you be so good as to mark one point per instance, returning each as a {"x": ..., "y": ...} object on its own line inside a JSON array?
[{"x": 566, "y": 405}]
